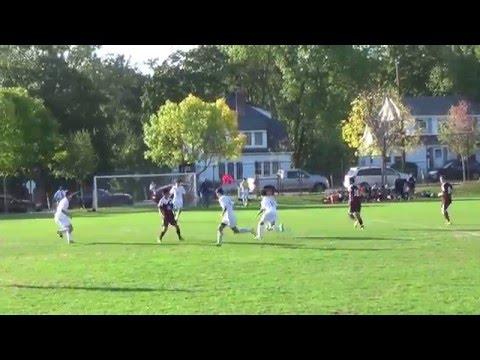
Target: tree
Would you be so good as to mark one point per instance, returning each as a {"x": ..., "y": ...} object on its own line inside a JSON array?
[
  {"x": 192, "y": 131},
  {"x": 28, "y": 133},
  {"x": 366, "y": 131},
  {"x": 460, "y": 132},
  {"x": 77, "y": 159}
]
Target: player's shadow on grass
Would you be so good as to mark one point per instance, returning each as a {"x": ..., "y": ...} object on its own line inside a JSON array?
[
  {"x": 349, "y": 238},
  {"x": 441, "y": 230},
  {"x": 97, "y": 288},
  {"x": 301, "y": 247}
]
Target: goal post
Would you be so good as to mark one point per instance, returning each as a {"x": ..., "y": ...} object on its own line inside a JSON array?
[{"x": 134, "y": 189}]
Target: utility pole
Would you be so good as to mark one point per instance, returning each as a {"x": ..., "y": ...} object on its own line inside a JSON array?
[{"x": 403, "y": 135}]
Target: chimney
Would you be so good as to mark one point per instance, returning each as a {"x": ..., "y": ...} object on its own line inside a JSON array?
[{"x": 240, "y": 101}]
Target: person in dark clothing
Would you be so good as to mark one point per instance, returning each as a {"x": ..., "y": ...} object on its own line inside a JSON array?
[
  {"x": 205, "y": 193},
  {"x": 400, "y": 187},
  {"x": 355, "y": 204},
  {"x": 446, "y": 195},
  {"x": 411, "y": 186}
]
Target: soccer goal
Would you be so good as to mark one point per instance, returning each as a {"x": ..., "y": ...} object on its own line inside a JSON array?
[{"x": 136, "y": 189}]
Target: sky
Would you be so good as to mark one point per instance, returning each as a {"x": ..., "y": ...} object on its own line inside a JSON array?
[{"x": 139, "y": 54}]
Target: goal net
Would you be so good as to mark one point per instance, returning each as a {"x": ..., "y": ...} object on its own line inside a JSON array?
[{"x": 137, "y": 190}]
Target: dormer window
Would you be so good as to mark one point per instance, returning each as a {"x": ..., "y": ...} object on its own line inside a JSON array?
[{"x": 255, "y": 139}]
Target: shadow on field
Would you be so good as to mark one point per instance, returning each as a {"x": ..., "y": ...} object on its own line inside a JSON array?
[
  {"x": 441, "y": 230},
  {"x": 300, "y": 247},
  {"x": 95, "y": 288},
  {"x": 348, "y": 238}
]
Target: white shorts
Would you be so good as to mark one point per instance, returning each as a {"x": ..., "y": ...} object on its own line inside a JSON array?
[
  {"x": 269, "y": 217},
  {"x": 178, "y": 205},
  {"x": 63, "y": 222},
  {"x": 229, "y": 220}
]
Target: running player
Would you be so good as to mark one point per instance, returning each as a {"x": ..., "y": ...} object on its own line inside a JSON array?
[
  {"x": 355, "y": 204},
  {"x": 244, "y": 191},
  {"x": 63, "y": 218},
  {"x": 446, "y": 195},
  {"x": 165, "y": 207},
  {"x": 268, "y": 213},
  {"x": 177, "y": 192},
  {"x": 228, "y": 217}
]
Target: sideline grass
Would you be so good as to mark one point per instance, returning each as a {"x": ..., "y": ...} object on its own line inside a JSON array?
[{"x": 405, "y": 262}]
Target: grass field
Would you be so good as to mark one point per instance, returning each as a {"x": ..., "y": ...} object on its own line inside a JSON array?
[{"x": 405, "y": 262}]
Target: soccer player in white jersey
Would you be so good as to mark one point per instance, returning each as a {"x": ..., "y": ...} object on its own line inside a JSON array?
[
  {"x": 177, "y": 191},
  {"x": 228, "y": 217},
  {"x": 244, "y": 191},
  {"x": 268, "y": 213},
  {"x": 63, "y": 218}
]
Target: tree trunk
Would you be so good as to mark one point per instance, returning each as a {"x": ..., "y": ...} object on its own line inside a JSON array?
[
  {"x": 384, "y": 158},
  {"x": 5, "y": 209},
  {"x": 464, "y": 169}
]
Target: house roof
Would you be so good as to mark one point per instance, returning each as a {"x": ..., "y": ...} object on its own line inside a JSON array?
[
  {"x": 437, "y": 105},
  {"x": 256, "y": 119}
]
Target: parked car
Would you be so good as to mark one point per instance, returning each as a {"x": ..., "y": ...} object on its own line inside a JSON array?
[
  {"x": 453, "y": 170},
  {"x": 16, "y": 205},
  {"x": 295, "y": 180},
  {"x": 105, "y": 199},
  {"x": 370, "y": 175}
]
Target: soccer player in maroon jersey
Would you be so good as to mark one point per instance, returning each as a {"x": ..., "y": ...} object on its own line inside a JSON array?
[
  {"x": 446, "y": 195},
  {"x": 165, "y": 206},
  {"x": 354, "y": 203}
]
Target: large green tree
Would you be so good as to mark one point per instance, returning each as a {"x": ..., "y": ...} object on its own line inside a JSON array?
[
  {"x": 193, "y": 131},
  {"x": 28, "y": 133}
]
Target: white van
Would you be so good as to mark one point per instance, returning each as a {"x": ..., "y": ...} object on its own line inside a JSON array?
[{"x": 373, "y": 175}]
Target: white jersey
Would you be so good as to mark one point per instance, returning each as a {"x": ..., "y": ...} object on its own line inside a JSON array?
[
  {"x": 269, "y": 207},
  {"x": 226, "y": 203},
  {"x": 61, "y": 219},
  {"x": 178, "y": 192}
]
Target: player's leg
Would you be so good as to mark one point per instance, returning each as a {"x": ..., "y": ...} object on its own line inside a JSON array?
[
  {"x": 179, "y": 235},
  {"x": 445, "y": 212},
  {"x": 260, "y": 230},
  {"x": 359, "y": 219},
  {"x": 220, "y": 229},
  {"x": 163, "y": 230},
  {"x": 238, "y": 230},
  {"x": 69, "y": 234}
]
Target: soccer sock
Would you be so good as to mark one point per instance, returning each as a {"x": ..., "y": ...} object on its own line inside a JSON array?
[
  {"x": 162, "y": 234},
  {"x": 351, "y": 216},
  {"x": 219, "y": 237},
  {"x": 260, "y": 230},
  {"x": 69, "y": 236},
  {"x": 178, "y": 233},
  {"x": 447, "y": 217},
  {"x": 359, "y": 218}
]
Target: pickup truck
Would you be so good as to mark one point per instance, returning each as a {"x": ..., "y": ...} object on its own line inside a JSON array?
[{"x": 295, "y": 180}]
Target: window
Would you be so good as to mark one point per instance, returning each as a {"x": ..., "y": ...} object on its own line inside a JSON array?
[
  {"x": 266, "y": 168},
  {"x": 370, "y": 172},
  {"x": 258, "y": 168},
  {"x": 292, "y": 174},
  {"x": 275, "y": 167},
  {"x": 304, "y": 175},
  {"x": 258, "y": 139},
  {"x": 239, "y": 170},
  {"x": 221, "y": 170},
  {"x": 438, "y": 153},
  {"x": 249, "y": 139},
  {"x": 429, "y": 125},
  {"x": 231, "y": 169},
  {"x": 421, "y": 125}
]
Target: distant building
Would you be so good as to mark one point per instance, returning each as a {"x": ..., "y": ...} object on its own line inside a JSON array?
[
  {"x": 266, "y": 150},
  {"x": 429, "y": 112}
]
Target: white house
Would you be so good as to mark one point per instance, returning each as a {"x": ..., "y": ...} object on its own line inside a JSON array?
[
  {"x": 266, "y": 149},
  {"x": 429, "y": 112}
]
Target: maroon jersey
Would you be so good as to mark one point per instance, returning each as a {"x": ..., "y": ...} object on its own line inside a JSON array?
[
  {"x": 165, "y": 206},
  {"x": 447, "y": 190},
  {"x": 354, "y": 198}
]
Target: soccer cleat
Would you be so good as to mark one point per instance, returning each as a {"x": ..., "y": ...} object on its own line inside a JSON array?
[
  {"x": 362, "y": 227},
  {"x": 159, "y": 239},
  {"x": 448, "y": 223},
  {"x": 281, "y": 228},
  {"x": 219, "y": 243},
  {"x": 181, "y": 238},
  {"x": 59, "y": 233}
]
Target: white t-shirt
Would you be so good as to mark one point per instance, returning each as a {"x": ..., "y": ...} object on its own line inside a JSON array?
[
  {"x": 62, "y": 205},
  {"x": 177, "y": 192},
  {"x": 227, "y": 204},
  {"x": 268, "y": 204}
]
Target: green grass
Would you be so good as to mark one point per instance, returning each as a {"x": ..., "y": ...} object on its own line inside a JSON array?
[{"x": 405, "y": 262}]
